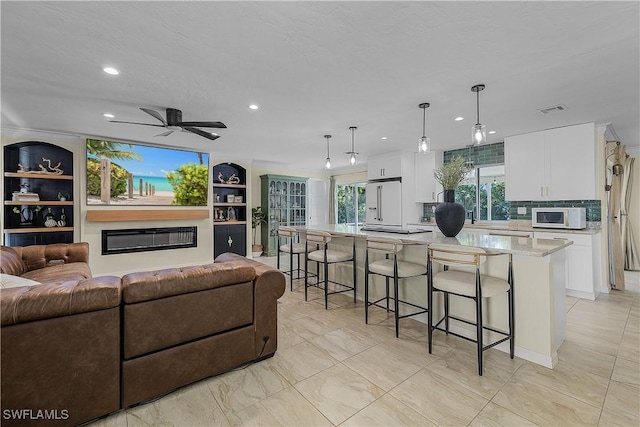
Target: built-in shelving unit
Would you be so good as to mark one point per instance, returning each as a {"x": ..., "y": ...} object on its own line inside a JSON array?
[
  {"x": 229, "y": 209},
  {"x": 45, "y": 170}
]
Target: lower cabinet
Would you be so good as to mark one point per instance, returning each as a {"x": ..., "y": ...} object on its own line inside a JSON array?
[
  {"x": 229, "y": 238},
  {"x": 583, "y": 263}
]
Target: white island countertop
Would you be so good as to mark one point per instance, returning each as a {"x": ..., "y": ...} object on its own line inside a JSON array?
[{"x": 494, "y": 243}]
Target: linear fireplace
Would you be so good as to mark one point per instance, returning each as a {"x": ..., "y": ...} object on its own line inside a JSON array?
[{"x": 148, "y": 239}]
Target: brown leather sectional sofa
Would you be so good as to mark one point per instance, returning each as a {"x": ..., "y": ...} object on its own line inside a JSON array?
[{"x": 75, "y": 348}]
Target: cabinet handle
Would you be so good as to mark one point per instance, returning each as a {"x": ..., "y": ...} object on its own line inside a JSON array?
[
  {"x": 433, "y": 195},
  {"x": 541, "y": 191},
  {"x": 230, "y": 241},
  {"x": 547, "y": 191}
]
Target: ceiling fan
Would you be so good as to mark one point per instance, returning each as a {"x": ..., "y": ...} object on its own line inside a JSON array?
[{"x": 174, "y": 123}]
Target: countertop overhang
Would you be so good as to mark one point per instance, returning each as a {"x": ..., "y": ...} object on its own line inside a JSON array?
[{"x": 515, "y": 245}]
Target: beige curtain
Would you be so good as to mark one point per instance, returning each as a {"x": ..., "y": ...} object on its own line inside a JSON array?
[
  {"x": 332, "y": 200},
  {"x": 616, "y": 253},
  {"x": 631, "y": 255}
]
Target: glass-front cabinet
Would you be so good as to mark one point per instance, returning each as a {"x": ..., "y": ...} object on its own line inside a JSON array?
[{"x": 284, "y": 199}]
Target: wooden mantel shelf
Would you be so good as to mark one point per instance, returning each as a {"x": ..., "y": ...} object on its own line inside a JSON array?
[{"x": 145, "y": 215}]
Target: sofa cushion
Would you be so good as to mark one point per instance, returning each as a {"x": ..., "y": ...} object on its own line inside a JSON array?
[
  {"x": 9, "y": 281},
  {"x": 11, "y": 262},
  {"x": 150, "y": 285},
  {"x": 56, "y": 299},
  {"x": 74, "y": 271}
]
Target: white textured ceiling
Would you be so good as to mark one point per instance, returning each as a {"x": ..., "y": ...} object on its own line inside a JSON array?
[{"x": 317, "y": 68}]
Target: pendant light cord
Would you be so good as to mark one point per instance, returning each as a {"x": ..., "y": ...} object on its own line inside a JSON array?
[
  {"x": 477, "y": 107},
  {"x": 424, "y": 121}
]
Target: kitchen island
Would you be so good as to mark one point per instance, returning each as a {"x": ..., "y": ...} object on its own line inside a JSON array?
[{"x": 539, "y": 284}]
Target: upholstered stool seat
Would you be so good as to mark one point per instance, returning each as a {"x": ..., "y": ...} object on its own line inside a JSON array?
[
  {"x": 390, "y": 268},
  {"x": 327, "y": 256}
]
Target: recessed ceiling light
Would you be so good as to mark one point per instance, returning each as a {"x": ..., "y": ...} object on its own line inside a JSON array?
[
  {"x": 384, "y": 137},
  {"x": 491, "y": 132},
  {"x": 111, "y": 70},
  {"x": 253, "y": 107},
  {"x": 457, "y": 119},
  {"x": 108, "y": 115}
]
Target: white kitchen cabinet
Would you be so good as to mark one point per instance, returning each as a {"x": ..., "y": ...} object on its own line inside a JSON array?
[
  {"x": 554, "y": 164},
  {"x": 384, "y": 166},
  {"x": 427, "y": 189},
  {"x": 582, "y": 262}
]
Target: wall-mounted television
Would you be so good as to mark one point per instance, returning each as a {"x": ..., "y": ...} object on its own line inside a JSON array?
[{"x": 122, "y": 173}]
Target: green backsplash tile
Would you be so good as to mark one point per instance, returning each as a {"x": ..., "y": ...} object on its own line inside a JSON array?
[{"x": 593, "y": 208}]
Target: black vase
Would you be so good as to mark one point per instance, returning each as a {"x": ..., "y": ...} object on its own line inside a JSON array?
[{"x": 450, "y": 215}]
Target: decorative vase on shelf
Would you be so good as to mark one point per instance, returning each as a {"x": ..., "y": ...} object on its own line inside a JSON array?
[
  {"x": 50, "y": 220},
  {"x": 450, "y": 215}
]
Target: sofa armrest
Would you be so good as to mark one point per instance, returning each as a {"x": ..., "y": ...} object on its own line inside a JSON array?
[
  {"x": 29, "y": 303},
  {"x": 269, "y": 285},
  {"x": 40, "y": 256}
]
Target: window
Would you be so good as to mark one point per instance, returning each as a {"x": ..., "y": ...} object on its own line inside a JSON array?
[
  {"x": 490, "y": 199},
  {"x": 350, "y": 203}
]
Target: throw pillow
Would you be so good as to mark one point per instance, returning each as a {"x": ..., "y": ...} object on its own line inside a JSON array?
[{"x": 9, "y": 281}]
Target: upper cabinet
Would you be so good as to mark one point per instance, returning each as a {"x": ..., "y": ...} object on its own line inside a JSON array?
[
  {"x": 554, "y": 164},
  {"x": 384, "y": 166},
  {"x": 427, "y": 189}
]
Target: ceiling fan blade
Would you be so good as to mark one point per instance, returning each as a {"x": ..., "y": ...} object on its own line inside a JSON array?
[
  {"x": 135, "y": 123},
  {"x": 201, "y": 133},
  {"x": 167, "y": 133},
  {"x": 219, "y": 125},
  {"x": 155, "y": 114}
]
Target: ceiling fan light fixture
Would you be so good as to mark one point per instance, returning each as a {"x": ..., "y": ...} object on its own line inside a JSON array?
[
  {"x": 478, "y": 131},
  {"x": 352, "y": 154},
  {"x": 327, "y": 163},
  {"x": 424, "y": 143}
]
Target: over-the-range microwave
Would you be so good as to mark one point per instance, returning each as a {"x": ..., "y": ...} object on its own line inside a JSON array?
[{"x": 570, "y": 218}]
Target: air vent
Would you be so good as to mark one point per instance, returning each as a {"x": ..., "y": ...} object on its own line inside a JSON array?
[{"x": 559, "y": 107}]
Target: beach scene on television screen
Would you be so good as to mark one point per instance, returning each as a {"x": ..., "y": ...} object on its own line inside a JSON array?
[{"x": 120, "y": 173}]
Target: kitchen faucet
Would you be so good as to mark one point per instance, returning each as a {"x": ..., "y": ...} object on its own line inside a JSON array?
[{"x": 473, "y": 218}]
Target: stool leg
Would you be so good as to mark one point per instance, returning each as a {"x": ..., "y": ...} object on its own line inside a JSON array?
[
  {"x": 430, "y": 305},
  {"x": 396, "y": 303},
  {"x": 355, "y": 272},
  {"x": 512, "y": 320},
  {"x": 479, "y": 332},
  {"x": 366, "y": 288},
  {"x": 446, "y": 312},
  {"x": 306, "y": 275},
  {"x": 326, "y": 284},
  {"x": 386, "y": 282},
  {"x": 291, "y": 266}
]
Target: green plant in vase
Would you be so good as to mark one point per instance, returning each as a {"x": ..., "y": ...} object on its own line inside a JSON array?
[
  {"x": 449, "y": 214},
  {"x": 258, "y": 218}
]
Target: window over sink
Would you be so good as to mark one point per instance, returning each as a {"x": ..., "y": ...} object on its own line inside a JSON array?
[{"x": 483, "y": 193}]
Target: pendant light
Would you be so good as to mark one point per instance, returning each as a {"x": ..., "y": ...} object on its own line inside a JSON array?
[
  {"x": 478, "y": 131},
  {"x": 424, "y": 143},
  {"x": 352, "y": 154},
  {"x": 469, "y": 165},
  {"x": 327, "y": 164}
]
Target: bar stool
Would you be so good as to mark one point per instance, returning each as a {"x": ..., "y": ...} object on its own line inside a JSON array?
[
  {"x": 292, "y": 246},
  {"x": 469, "y": 283},
  {"x": 327, "y": 256},
  {"x": 390, "y": 268}
]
